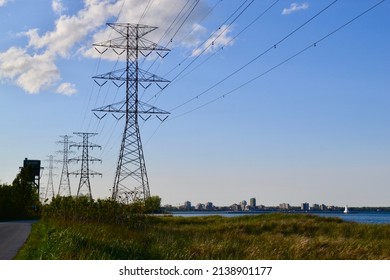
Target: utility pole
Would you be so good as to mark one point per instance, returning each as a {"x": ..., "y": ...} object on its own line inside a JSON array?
[
  {"x": 84, "y": 188},
  {"x": 64, "y": 186},
  {"x": 50, "y": 186},
  {"x": 131, "y": 179}
]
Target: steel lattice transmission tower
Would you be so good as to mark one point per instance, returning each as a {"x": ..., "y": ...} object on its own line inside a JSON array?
[
  {"x": 64, "y": 186},
  {"x": 131, "y": 179},
  {"x": 50, "y": 186},
  {"x": 84, "y": 188}
]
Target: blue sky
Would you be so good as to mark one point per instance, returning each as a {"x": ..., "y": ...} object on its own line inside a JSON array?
[{"x": 313, "y": 129}]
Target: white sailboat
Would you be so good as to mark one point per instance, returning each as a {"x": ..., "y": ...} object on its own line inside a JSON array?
[{"x": 346, "y": 211}]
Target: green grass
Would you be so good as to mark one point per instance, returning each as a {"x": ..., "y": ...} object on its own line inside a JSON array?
[{"x": 268, "y": 236}]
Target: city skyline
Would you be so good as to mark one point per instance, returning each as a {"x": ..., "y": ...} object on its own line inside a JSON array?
[
  {"x": 278, "y": 100},
  {"x": 245, "y": 205}
]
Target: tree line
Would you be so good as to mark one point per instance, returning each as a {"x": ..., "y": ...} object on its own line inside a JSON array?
[
  {"x": 19, "y": 200},
  {"x": 107, "y": 211}
]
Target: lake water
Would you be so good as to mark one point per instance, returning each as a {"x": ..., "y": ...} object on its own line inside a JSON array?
[{"x": 359, "y": 217}]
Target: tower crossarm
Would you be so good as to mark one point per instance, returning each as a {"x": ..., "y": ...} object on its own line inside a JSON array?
[
  {"x": 91, "y": 159},
  {"x": 120, "y": 75},
  {"x": 132, "y": 29},
  {"x": 121, "y": 43},
  {"x": 118, "y": 107},
  {"x": 64, "y": 186},
  {"x": 84, "y": 188},
  {"x": 143, "y": 108},
  {"x": 131, "y": 180},
  {"x": 90, "y": 172},
  {"x": 89, "y": 145}
]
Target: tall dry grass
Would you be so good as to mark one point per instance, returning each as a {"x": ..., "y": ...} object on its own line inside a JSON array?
[{"x": 267, "y": 236}]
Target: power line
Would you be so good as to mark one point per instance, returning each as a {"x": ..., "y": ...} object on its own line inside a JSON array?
[
  {"x": 217, "y": 35},
  {"x": 255, "y": 58},
  {"x": 97, "y": 70},
  {"x": 84, "y": 188},
  {"x": 64, "y": 186},
  {"x": 170, "y": 28},
  {"x": 186, "y": 18},
  {"x": 188, "y": 34},
  {"x": 210, "y": 44},
  {"x": 232, "y": 39},
  {"x": 181, "y": 18},
  {"x": 146, "y": 10},
  {"x": 50, "y": 186},
  {"x": 281, "y": 63},
  {"x": 349, "y": 22},
  {"x": 200, "y": 21},
  {"x": 131, "y": 180}
]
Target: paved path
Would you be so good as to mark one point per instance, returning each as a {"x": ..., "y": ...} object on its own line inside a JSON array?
[{"x": 12, "y": 237}]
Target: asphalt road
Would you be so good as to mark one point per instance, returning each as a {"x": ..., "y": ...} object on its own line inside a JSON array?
[{"x": 12, "y": 237}]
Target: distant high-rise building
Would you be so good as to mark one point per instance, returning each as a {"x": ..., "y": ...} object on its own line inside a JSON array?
[
  {"x": 305, "y": 206},
  {"x": 243, "y": 205},
  {"x": 235, "y": 207},
  {"x": 252, "y": 203},
  {"x": 315, "y": 206},
  {"x": 187, "y": 205},
  {"x": 200, "y": 206},
  {"x": 284, "y": 206},
  {"x": 209, "y": 206}
]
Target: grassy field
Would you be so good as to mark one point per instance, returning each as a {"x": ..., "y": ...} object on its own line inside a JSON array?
[{"x": 268, "y": 236}]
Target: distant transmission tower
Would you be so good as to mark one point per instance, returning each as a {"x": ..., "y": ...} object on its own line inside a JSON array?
[
  {"x": 131, "y": 180},
  {"x": 84, "y": 188},
  {"x": 64, "y": 186},
  {"x": 50, "y": 186}
]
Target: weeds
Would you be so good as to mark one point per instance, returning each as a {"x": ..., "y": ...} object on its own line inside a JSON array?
[{"x": 267, "y": 236}]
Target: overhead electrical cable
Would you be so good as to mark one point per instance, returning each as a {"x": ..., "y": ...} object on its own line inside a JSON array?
[
  {"x": 120, "y": 11},
  {"x": 186, "y": 18},
  {"x": 256, "y": 58},
  {"x": 230, "y": 41},
  {"x": 211, "y": 36},
  {"x": 200, "y": 21},
  {"x": 97, "y": 70},
  {"x": 145, "y": 11},
  {"x": 182, "y": 14},
  {"x": 176, "y": 20},
  {"x": 97, "y": 96},
  {"x": 205, "y": 42},
  {"x": 170, "y": 28},
  {"x": 281, "y": 63}
]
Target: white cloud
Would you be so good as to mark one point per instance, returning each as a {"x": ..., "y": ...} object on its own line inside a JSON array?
[
  {"x": 160, "y": 14},
  {"x": 66, "y": 89},
  {"x": 295, "y": 7},
  {"x": 217, "y": 40},
  {"x": 34, "y": 67},
  {"x": 3, "y": 2},
  {"x": 194, "y": 37},
  {"x": 58, "y": 6},
  {"x": 70, "y": 30},
  {"x": 30, "y": 72}
]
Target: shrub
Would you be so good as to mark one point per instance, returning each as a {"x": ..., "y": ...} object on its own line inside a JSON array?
[
  {"x": 19, "y": 200},
  {"x": 83, "y": 209}
]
